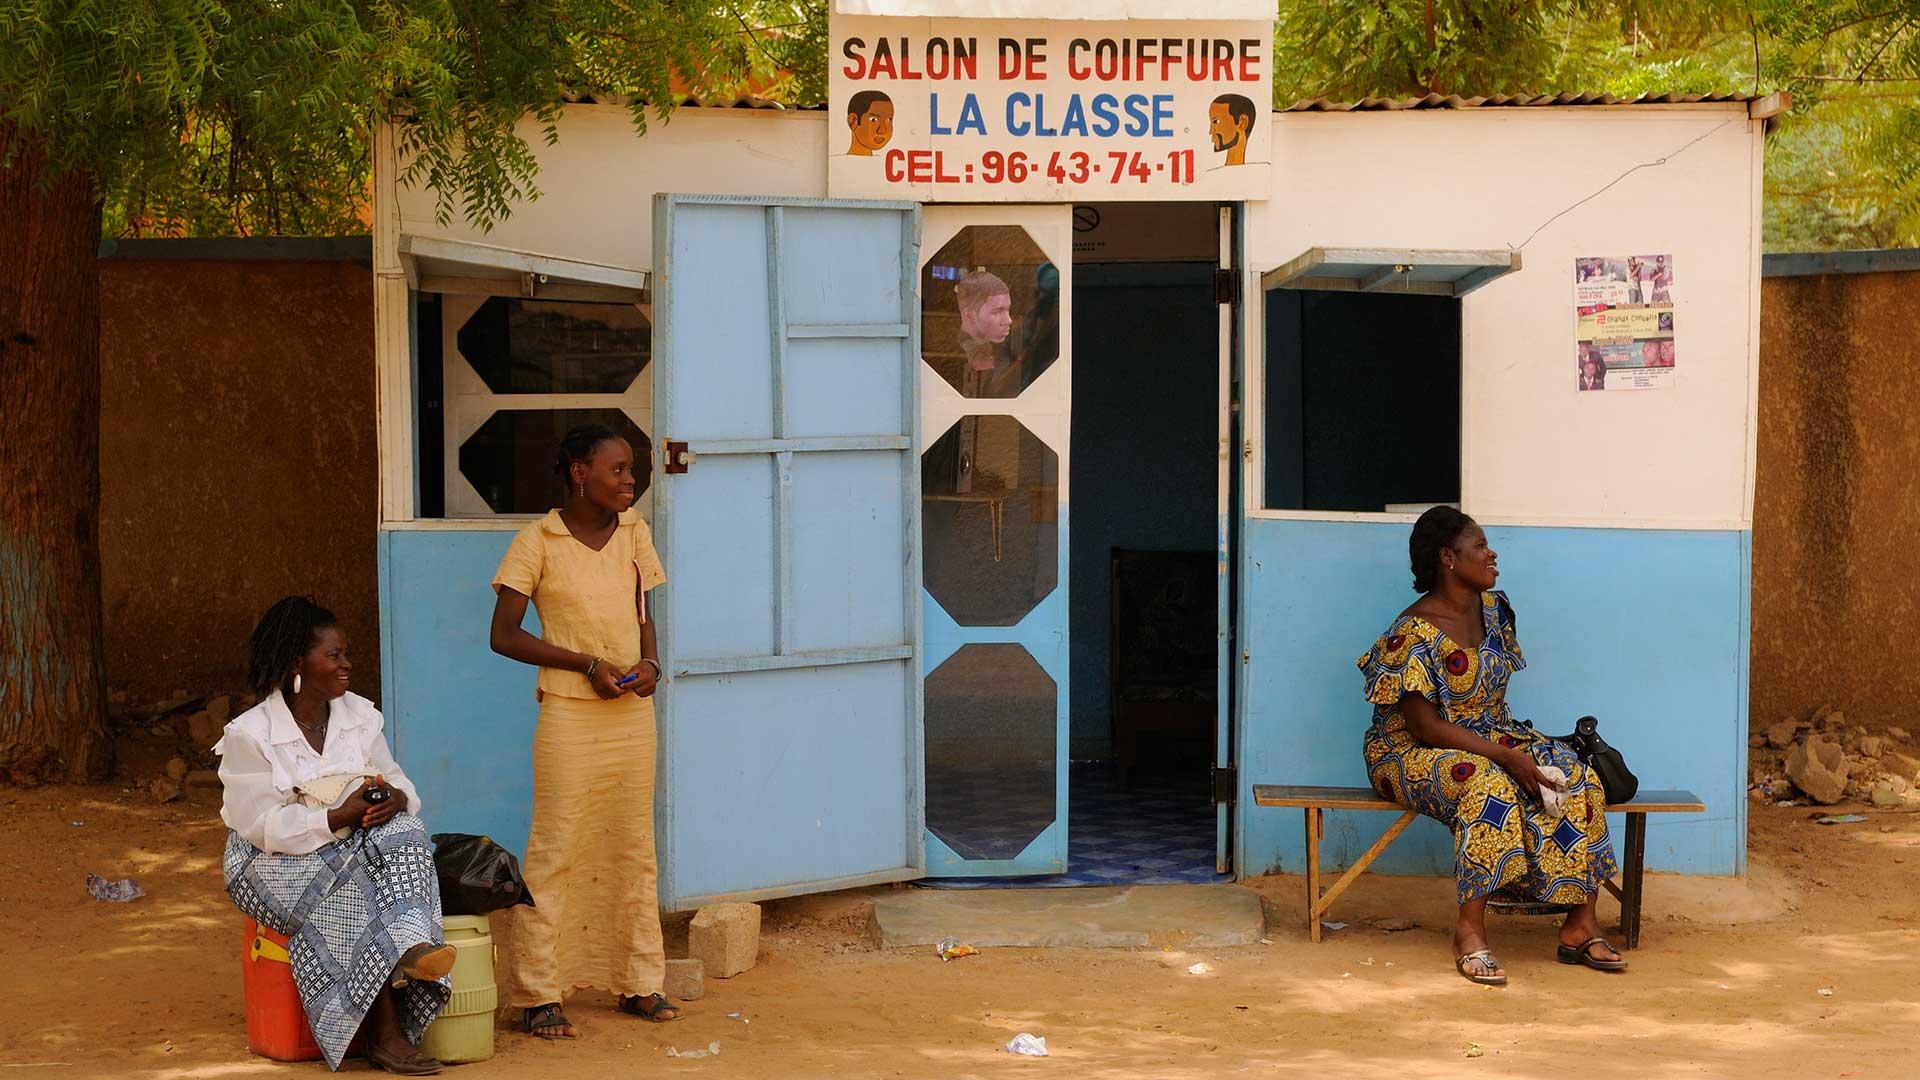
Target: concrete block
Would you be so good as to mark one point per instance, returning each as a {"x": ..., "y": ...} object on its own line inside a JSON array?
[
  {"x": 725, "y": 938},
  {"x": 686, "y": 980}
]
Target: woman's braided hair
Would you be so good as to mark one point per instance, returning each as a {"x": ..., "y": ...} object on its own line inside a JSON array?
[
  {"x": 285, "y": 632},
  {"x": 1437, "y": 529},
  {"x": 579, "y": 444}
]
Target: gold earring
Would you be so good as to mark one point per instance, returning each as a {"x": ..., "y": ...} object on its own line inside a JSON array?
[{"x": 582, "y": 492}]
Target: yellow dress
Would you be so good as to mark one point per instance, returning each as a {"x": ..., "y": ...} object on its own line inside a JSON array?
[
  {"x": 590, "y": 853},
  {"x": 1503, "y": 838}
]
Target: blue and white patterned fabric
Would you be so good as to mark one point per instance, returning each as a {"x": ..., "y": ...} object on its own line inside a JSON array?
[{"x": 349, "y": 911}]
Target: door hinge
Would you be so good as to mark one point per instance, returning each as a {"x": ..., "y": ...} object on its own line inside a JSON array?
[
  {"x": 1226, "y": 785},
  {"x": 1226, "y": 285},
  {"x": 678, "y": 459}
]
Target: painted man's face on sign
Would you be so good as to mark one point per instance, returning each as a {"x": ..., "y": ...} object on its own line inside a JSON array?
[
  {"x": 1221, "y": 127},
  {"x": 872, "y": 127}
]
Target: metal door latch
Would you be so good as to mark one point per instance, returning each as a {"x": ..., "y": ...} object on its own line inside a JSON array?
[{"x": 678, "y": 459}]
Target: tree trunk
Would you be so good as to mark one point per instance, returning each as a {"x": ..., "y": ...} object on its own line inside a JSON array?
[{"x": 52, "y": 687}]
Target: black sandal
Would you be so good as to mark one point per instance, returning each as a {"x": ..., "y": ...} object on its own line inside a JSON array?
[
  {"x": 650, "y": 1008},
  {"x": 541, "y": 1020},
  {"x": 1583, "y": 955}
]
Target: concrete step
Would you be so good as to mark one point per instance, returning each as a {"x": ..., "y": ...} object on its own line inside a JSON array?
[{"x": 1121, "y": 917}]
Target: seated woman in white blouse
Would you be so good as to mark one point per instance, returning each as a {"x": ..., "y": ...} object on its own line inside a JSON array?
[{"x": 326, "y": 846}]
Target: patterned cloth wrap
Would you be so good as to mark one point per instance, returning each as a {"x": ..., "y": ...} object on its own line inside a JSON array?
[
  {"x": 349, "y": 911},
  {"x": 1504, "y": 840}
]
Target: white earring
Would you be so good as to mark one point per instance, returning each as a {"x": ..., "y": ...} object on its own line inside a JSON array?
[{"x": 296, "y": 682}]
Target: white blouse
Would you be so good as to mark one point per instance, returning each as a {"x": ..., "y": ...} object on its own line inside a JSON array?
[{"x": 264, "y": 755}]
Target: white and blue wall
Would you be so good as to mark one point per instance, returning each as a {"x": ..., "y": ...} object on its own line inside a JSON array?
[{"x": 1622, "y": 519}]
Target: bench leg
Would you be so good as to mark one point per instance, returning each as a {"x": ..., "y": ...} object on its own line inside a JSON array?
[
  {"x": 1313, "y": 873},
  {"x": 1633, "y": 873}
]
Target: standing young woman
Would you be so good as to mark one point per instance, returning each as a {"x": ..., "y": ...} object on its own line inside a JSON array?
[{"x": 587, "y": 568}]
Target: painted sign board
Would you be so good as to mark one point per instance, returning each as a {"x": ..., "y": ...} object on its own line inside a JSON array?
[{"x": 988, "y": 110}]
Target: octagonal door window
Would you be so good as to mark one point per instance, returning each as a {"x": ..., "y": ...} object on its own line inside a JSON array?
[
  {"x": 992, "y": 749},
  {"x": 990, "y": 517},
  {"x": 990, "y": 311}
]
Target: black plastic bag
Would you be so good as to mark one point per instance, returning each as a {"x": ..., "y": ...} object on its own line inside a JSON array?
[{"x": 476, "y": 875}]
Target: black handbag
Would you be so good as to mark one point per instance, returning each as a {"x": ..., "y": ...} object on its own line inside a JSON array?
[{"x": 1606, "y": 762}]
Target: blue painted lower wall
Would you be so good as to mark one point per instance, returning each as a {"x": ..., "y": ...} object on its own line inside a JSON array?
[
  {"x": 462, "y": 717},
  {"x": 1647, "y": 630}
]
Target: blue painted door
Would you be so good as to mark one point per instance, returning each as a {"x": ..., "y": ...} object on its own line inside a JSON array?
[
  {"x": 785, "y": 351},
  {"x": 995, "y": 395}
]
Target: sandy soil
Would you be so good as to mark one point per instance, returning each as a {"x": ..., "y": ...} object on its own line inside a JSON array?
[{"x": 1727, "y": 983}]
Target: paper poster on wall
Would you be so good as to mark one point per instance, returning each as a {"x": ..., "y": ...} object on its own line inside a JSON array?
[
  {"x": 989, "y": 110},
  {"x": 1625, "y": 335}
]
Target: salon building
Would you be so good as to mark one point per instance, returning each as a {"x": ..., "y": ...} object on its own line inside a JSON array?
[{"x": 1036, "y": 432}]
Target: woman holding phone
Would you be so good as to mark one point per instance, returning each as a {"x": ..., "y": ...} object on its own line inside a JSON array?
[{"x": 586, "y": 568}]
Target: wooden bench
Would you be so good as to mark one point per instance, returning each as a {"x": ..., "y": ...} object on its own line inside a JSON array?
[{"x": 1316, "y": 801}]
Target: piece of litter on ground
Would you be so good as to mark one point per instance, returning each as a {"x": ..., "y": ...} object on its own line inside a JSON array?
[
  {"x": 737, "y": 1016},
  {"x": 1825, "y": 991},
  {"x": 1368, "y": 962},
  {"x": 1346, "y": 974},
  {"x": 1724, "y": 986},
  {"x": 1842, "y": 819},
  {"x": 1472, "y": 1050},
  {"x": 712, "y": 1050},
  {"x": 1266, "y": 941},
  {"x": 117, "y": 892},
  {"x": 953, "y": 949},
  {"x": 1200, "y": 968},
  {"x": 1334, "y": 925},
  {"x": 1030, "y": 1045},
  {"x": 1786, "y": 802},
  {"x": 1389, "y": 963},
  {"x": 76, "y": 824}
]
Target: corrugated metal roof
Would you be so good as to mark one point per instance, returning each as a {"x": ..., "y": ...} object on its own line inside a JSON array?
[
  {"x": 741, "y": 101},
  {"x": 1454, "y": 101}
]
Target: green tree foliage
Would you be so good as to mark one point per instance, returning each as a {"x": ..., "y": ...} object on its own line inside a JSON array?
[
  {"x": 1843, "y": 172},
  {"x": 254, "y": 116}
]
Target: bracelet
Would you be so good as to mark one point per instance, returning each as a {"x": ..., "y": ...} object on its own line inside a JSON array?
[
  {"x": 591, "y": 664},
  {"x": 655, "y": 664}
]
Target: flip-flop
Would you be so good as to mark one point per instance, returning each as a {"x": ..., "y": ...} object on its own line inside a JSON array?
[
  {"x": 541, "y": 1022},
  {"x": 1485, "y": 957},
  {"x": 650, "y": 1007},
  {"x": 1583, "y": 955}
]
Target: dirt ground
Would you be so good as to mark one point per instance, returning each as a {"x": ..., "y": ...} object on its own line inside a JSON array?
[{"x": 1733, "y": 978}]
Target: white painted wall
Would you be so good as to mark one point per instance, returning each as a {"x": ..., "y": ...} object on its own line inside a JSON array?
[
  {"x": 597, "y": 184},
  {"x": 1537, "y": 451}
]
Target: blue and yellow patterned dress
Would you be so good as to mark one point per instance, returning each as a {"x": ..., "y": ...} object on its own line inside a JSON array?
[{"x": 1503, "y": 839}]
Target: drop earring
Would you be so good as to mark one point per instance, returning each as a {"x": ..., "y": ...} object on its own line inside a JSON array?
[
  {"x": 582, "y": 490},
  {"x": 296, "y": 683}
]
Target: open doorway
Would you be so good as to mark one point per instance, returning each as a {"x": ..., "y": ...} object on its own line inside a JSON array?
[{"x": 1144, "y": 584}]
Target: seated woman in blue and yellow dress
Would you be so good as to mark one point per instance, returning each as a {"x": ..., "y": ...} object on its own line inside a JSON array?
[{"x": 1444, "y": 742}]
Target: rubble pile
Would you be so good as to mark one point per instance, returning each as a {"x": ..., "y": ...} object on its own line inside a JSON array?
[{"x": 1826, "y": 759}]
